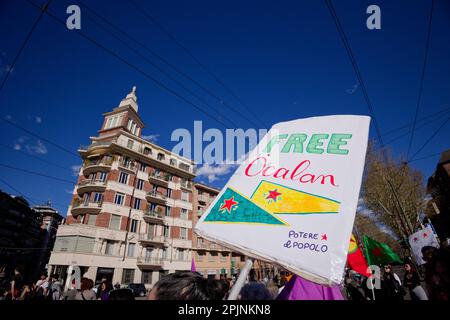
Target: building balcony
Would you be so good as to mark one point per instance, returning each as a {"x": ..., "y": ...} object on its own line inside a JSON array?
[
  {"x": 154, "y": 196},
  {"x": 91, "y": 166},
  {"x": 153, "y": 217},
  {"x": 147, "y": 239},
  {"x": 128, "y": 166},
  {"x": 149, "y": 262},
  {"x": 202, "y": 246},
  {"x": 83, "y": 207},
  {"x": 186, "y": 185},
  {"x": 161, "y": 179},
  {"x": 203, "y": 198},
  {"x": 89, "y": 185}
]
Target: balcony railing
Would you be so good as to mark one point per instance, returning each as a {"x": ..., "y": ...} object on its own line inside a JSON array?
[
  {"x": 156, "y": 195},
  {"x": 161, "y": 177},
  {"x": 127, "y": 165},
  {"x": 149, "y": 261},
  {"x": 96, "y": 144},
  {"x": 153, "y": 216},
  {"x": 96, "y": 182},
  {"x": 203, "y": 198},
  {"x": 90, "y": 204},
  {"x": 152, "y": 238}
]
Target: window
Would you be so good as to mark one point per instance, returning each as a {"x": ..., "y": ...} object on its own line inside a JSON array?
[
  {"x": 119, "y": 198},
  {"x": 184, "y": 196},
  {"x": 102, "y": 176},
  {"x": 223, "y": 258},
  {"x": 91, "y": 220},
  {"x": 137, "y": 204},
  {"x": 173, "y": 162},
  {"x": 146, "y": 276},
  {"x": 134, "y": 225},
  {"x": 129, "y": 124},
  {"x": 212, "y": 256},
  {"x": 169, "y": 193},
  {"x": 167, "y": 231},
  {"x": 169, "y": 177},
  {"x": 127, "y": 276},
  {"x": 167, "y": 211},
  {"x": 115, "y": 222},
  {"x": 98, "y": 197},
  {"x": 108, "y": 123},
  {"x": 160, "y": 157},
  {"x": 180, "y": 254},
  {"x": 74, "y": 244},
  {"x": 142, "y": 167},
  {"x": 114, "y": 122},
  {"x": 183, "y": 233},
  {"x": 123, "y": 178},
  {"x": 163, "y": 254},
  {"x": 184, "y": 214},
  {"x": 147, "y": 151},
  {"x": 200, "y": 256},
  {"x": 130, "y": 144},
  {"x": 140, "y": 184},
  {"x": 109, "y": 247},
  {"x": 131, "y": 248}
]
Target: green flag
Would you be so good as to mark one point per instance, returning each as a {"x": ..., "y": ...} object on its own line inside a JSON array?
[{"x": 378, "y": 253}]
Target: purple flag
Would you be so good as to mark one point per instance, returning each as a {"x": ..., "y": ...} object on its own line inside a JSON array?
[
  {"x": 193, "y": 266},
  {"x": 301, "y": 289}
]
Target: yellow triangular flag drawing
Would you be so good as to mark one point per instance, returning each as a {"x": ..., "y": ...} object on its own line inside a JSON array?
[{"x": 279, "y": 199}]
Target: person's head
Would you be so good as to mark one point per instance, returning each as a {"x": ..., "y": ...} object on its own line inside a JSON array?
[
  {"x": 428, "y": 253},
  {"x": 121, "y": 294},
  {"x": 387, "y": 268},
  {"x": 186, "y": 285},
  {"x": 86, "y": 284},
  {"x": 17, "y": 270},
  {"x": 252, "y": 275},
  {"x": 43, "y": 276},
  {"x": 408, "y": 267}
]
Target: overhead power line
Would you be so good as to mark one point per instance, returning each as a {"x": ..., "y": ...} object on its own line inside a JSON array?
[
  {"x": 202, "y": 65},
  {"x": 40, "y": 137},
  {"x": 166, "y": 62},
  {"x": 35, "y": 157},
  {"x": 36, "y": 173},
  {"x": 422, "y": 77},
  {"x": 430, "y": 138},
  {"x": 24, "y": 44},
  {"x": 129, "y": 64},
  {"x": 18, "y": 192}
]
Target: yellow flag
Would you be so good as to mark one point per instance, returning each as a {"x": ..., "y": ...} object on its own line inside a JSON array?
[{"x": 283, "y": 200}]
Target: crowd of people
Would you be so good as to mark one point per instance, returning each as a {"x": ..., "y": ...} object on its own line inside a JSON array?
[
  {"x": 435, "y": 284},
  {"x": 432, "y": 283}
]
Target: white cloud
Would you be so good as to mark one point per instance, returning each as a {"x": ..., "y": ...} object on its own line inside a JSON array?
[
  {"x": 151, "y": 137},
  {"x": 76, "y": 170},
  {"x": 38, "y": 148},
  {"x": 69, "y": 191},
  {"x": 17, "y": 146},
  {"x": 38, "y": 120},
  {"x": 353, "y": 89},
  {"x": 214, "y": 172}
]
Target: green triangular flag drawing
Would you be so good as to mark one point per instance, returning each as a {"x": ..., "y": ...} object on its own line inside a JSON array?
[
  {"x": 379, "y": 253},
  {"x": 232, "y": 207}
]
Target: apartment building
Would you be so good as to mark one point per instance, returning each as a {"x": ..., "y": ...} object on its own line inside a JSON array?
[
  {"x": 130, "y": 219},
  {"x": 211, "y": 259}
]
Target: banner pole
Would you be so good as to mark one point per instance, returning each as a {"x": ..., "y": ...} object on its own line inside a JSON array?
[
  {"x": 240, "y": 280},
  {"x": 373, "y": 291}
]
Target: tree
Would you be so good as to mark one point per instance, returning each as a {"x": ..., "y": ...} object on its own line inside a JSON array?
[
  {"x": 368, "y": 225},
  {"x": 393, "y": 191}
]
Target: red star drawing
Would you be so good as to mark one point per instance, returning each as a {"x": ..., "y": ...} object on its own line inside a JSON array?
[
  {"x": 415, "y": 239},
  {"x": 425, "y": 235},
  {"x": 228, "y": 204},
  {"x": 324, "y": 237},
  {"x": 273, "y": 195},
  {"x": 377, "y": 252}
]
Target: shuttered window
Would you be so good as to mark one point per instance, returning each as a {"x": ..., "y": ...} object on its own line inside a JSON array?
[{"x": 74, "y": 244}]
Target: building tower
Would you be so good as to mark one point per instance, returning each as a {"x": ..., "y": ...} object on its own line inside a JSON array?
[{"x": 130, "y": 218}]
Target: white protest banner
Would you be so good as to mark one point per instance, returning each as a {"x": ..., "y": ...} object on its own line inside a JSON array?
[
  {"x": 420, "y": 239},
  {"x": 293, "y": 201}
]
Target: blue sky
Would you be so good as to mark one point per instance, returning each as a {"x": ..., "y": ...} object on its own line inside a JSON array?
[{"x": 283, "y": 59}]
